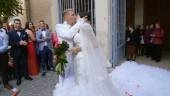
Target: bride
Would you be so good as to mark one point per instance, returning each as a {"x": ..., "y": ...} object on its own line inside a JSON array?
[{"x": 90, "y": 75}]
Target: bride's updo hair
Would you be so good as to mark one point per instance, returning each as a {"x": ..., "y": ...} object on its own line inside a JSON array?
[
  {"x": 67, "y": 11},
  {"x": 86, "y": 15}
]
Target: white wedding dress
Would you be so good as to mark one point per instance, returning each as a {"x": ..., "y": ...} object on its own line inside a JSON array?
[{"x": 91, "y": 77}]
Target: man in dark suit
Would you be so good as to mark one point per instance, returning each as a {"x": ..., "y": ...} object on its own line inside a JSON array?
[
  {"x": 4, "y": 61},
  {"x": 18, "y": 42}
]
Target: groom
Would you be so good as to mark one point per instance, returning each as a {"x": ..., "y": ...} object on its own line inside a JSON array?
[{"x": 66, "y": 32}]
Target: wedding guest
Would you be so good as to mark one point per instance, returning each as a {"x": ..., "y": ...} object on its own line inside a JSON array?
[
  {"x": 157, "y": 39},
  {"x": 138, "y": 38},
  {"x": 10, "y": 68},
  {"x": 6, "y": 27},
  {"x": 131, "y": 40},
  {"x": 4, "y": 61},
  {"x": 19, "y": 42},
  {"x": 142, "y": 43},
  {"x": 31, "y": 48},
  {"x": 151, "y": 29},
  {"x": 46, "y": 26},
  {"x": 11, "y": 27},
  {"x": 52, "y": 34},
  {"x": 54, "y": 39},
  {"x": 43, "y": 37},
  {"x": 147, "y": 38}
]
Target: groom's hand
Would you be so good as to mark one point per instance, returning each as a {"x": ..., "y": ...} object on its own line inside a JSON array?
[
  {"x": 75, "y": 50},
  {"x": 78, "y": 18},
  {"x": 78, "y": 49}
]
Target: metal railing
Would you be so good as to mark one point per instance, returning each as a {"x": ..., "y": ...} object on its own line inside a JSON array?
[{"x": 78, "y": 6}]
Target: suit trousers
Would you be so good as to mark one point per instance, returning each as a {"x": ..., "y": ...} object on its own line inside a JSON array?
[
  {"x": 157, "y": 52},
  {"x": 46, "y": 58},
  {"x": 21, "y": 65},
  {"x": 4, "y": 67}
]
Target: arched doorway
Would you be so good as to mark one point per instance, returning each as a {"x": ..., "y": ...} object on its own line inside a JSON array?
[{"x": 152, "y": 11}]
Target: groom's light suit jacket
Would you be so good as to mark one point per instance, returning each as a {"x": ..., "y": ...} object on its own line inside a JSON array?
[{"x": 65, "y": 32}]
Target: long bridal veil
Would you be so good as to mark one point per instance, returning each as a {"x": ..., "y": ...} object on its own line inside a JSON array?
[
  {"x": 91, "y": 70},
  {"x": 93, "y": 60}
]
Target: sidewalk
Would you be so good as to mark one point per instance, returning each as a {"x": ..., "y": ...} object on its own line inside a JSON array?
[
  {"x": 164, "y": 63},
  {"x": 40, "y": 86}
]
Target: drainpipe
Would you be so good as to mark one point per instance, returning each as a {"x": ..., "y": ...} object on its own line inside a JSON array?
[{"x": 27, "y": 8}]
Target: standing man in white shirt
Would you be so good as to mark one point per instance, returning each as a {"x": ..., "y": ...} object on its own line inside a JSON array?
[
  {"x": 4, "y": 40},
  {"x": 66, "y": 32}
]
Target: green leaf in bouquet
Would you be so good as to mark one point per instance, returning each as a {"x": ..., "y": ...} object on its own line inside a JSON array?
[
  {"x": 60, "y": 52},
  {"x": 58, "y": 69}
]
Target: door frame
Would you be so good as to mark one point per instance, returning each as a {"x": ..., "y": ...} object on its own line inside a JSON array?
[{"x": 117, "y": 27}]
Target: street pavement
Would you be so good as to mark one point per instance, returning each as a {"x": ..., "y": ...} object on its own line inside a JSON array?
[
  {"x": 40, "y": 86},
  {"x": 44, "y": 86}
]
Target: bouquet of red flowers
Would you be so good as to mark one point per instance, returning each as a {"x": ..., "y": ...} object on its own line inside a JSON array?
[{"x": 60, "y": 52}]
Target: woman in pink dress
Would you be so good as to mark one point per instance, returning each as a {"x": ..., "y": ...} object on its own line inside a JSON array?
[{"x": 32, "y": 57}]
